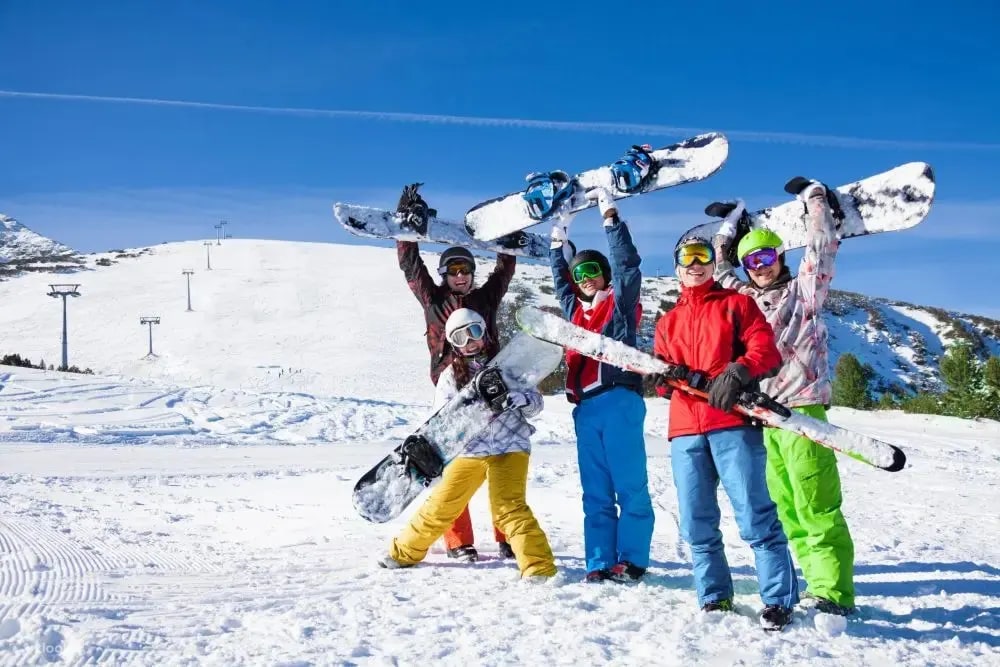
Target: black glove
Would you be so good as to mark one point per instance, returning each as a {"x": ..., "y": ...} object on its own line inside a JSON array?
[
  {"x": 413, "y": 210},
  {"x": 661, "y": 381},
  {"x": 725, "y": 389},
  {"x": 490, "y": 386}
]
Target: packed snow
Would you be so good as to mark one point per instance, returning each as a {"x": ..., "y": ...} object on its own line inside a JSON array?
[{"x": 194, "y": 508}]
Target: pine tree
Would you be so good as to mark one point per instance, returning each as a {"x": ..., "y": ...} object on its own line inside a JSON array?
[
  {"x": 962, "y": 372},
  {"x": 850, "y": 383}
]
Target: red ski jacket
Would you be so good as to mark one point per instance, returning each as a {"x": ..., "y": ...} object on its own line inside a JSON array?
[{"x": 709, "y": 327}]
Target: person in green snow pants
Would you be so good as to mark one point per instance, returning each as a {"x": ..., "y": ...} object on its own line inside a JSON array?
[{"x": 802, "y": 476}]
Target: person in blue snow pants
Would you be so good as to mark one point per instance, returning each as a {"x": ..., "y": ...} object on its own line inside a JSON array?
[
  {"x": 737, "y": 458},
  {"x": 603, "y": 296}
]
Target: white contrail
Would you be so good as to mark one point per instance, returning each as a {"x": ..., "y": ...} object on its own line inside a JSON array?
[{"x": 634, "y": 129}]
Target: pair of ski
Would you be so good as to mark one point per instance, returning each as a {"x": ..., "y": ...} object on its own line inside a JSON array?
[{"x": 393, "y": 483}]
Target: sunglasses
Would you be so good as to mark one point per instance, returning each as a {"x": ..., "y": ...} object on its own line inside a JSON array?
[
  {"x": 457, "y": 269},
  {"x": 760, "y": 258},
  {"x": 461, "y": 337},
  {"x": 586, "y": 271},
  {"x": 694, "y": 253}
]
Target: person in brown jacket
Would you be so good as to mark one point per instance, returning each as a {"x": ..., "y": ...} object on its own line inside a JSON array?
[{"x": 457, "y": 268}]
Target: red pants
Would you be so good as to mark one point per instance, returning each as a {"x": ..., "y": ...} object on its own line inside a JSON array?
[{"x": 461, "y": 533}]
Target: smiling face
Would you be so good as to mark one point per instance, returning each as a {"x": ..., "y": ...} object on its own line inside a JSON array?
[
  {"x": 695, "y": 274},
  {"x": 592, "y": 286},
  {"x": 765, "y": 276},
  {"x": 695, "y": 263},
  {"x": 459, "y": 277}
]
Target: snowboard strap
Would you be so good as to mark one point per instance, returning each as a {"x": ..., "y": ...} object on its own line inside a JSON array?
[
  {"x": 627, "y": 171},
  {"x": 545, "y": 192},
  {"x": 420, "y": 454}
]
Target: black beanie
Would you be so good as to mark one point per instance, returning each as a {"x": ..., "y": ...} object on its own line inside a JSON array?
[
  {"x": 456, "y": 254},
  {"x": 592, "y": 256}
]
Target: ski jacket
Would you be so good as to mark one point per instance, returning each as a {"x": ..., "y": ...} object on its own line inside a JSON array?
[
  {"x": 710, "y": 327},
  {"x": 439, "y": 302},
  {"x": 508, "y": 432},
  {"x": 794, "y": 309},
  {"x": 614, "y": 313}
]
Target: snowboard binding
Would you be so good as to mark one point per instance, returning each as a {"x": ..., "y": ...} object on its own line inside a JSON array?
[
  {"x": 491, "y": 388},
  {"x": 413, "y": 212},
  {"x": 754, "y": 399},
  {"x": 800, "y": 183},
  {"x": 634, "y": 170},
  {"x": 418, "y": 453},
  {"x": 545, "y": 192}
]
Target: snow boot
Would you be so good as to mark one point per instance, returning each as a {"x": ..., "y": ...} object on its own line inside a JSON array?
[
  {"x": 775, "y": 617},
  {"x": 505, "y": 550},
  {"x": 597, "y": 576},
  {"x": 830, "y": 607},
  {"x": 718, "y": 605},
  {"x": 390, "y": 563},
  {"x": 627, "y": 573},
  {"x": 465, "y": 553}
]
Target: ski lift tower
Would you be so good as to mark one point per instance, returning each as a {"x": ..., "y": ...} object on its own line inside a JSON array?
[
  {"x": 150, "y": 321},
  {"x": 188, "y": 273},
  {"x": 64, "y": 291}
]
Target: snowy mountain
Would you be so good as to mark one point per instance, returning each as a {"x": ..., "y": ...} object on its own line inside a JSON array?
[
  {"x": 332, "y": 294},
  {"x": 23, "y": 250}
]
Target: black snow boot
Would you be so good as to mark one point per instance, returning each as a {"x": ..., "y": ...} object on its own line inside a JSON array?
[{"x": 466, "y": 553}]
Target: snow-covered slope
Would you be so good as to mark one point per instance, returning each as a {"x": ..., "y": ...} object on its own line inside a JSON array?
[
  {"x": 334, "y": 320},
  {"x": 23, "y": 250},
  {"x": 194, "y": 507},
  {"x": 150, "y": 524}
]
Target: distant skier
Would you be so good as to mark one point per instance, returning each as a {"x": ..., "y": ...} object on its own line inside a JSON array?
[
  {"x": 610, "y": 411},
  {"x": 802, "y": 476},
  {"x": 457, "y": 268},
  {"x": 499, "y": 454},
  {"x": 724, "y": 335}
]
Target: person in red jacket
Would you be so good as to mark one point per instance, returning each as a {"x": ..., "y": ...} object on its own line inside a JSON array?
[
  {"x": 457, "y": 268},
  {"x": 722, "y": 334}
]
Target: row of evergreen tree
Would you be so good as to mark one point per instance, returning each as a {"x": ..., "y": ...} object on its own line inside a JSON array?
[
  {"x": 972, "y": 387},
  {"x": 24, "y": 362}
]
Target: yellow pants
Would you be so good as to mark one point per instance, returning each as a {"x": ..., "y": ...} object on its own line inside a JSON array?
[{"x": 508, "y": 480}]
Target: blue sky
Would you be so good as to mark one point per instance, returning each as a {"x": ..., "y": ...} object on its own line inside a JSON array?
[{"x": 894, "y": 81}]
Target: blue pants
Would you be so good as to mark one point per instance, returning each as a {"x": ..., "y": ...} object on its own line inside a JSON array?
[
  {"x": 611, "y": 452},
  {"x": 737, "y": 457}
]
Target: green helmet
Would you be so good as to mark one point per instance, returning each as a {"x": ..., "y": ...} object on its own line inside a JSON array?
[{"x": 757, "y": 239}]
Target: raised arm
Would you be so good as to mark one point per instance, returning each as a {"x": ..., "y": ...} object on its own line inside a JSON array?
[
  {"x": 817, "y": 266},
  {"x": 725, "y": 272},
  {"x": 558, "y": 251},
  {"x": 418, "y": 278},
  {"x": 499, "y": 279}
]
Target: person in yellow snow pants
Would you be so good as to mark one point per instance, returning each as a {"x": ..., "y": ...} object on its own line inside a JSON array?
[
  {"x": 508, "y": 475},
  {"x": 498, "y": 454}
]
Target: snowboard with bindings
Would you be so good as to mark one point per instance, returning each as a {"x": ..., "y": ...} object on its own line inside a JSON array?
[
  {"x": 387, "y": 489},
  {"x": 641, "y": 170},
  {"x": 376, "y": 223},
  {"x": 891, "y": 201},
  {"x": 753, "y": 404}
]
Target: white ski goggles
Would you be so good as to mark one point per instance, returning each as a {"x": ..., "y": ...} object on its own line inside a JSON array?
[{"x": 461, "y": 337}]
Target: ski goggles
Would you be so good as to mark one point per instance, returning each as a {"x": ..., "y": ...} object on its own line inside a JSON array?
[
  {"x": 461, "y": 337},
  {"x": 760, "y": 258},
  {"x": 586, "y": 271},
  {"x": 457, "y": 269},
  {"x": 694, "y": 253}
]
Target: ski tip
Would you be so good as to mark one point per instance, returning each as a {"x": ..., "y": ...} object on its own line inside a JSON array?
[{"x": 898, "y": 460}]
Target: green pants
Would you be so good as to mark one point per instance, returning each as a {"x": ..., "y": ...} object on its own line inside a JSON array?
[{"x": 804, "y": 483}]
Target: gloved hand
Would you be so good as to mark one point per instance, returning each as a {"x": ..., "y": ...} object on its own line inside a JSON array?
[
  {"x": 516, "y": 399},
  {"x": 560, "y": 230},
  {"x": 605, "y": 202},
  {"x": 413, "y": 210},
  {"x": 814, "y": 189},
  {"x": 661, "y": 380},
  {"x": 725, "y": 389},
  {"x": 728, "y": 228}
]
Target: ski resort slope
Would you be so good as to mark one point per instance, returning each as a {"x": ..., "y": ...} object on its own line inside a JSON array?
[{"x": 194, "y": 508}]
